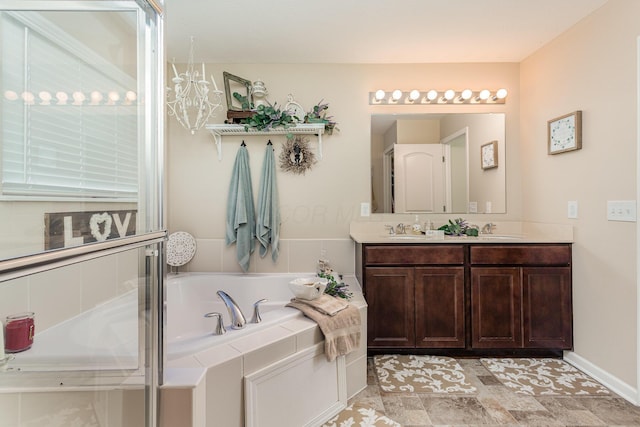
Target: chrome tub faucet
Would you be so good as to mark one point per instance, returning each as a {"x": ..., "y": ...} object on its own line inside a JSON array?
[{"x": 238, "y": 320}]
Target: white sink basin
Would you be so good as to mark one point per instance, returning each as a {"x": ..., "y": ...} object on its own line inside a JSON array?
[
  {"x": 404, "y": 237},
  {"x": 497, "y": 237}
]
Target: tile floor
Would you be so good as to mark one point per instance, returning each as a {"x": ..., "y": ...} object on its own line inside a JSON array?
[{"x": 495, "y": 405}]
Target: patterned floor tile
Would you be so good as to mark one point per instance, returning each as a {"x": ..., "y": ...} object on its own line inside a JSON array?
[{"x": 494, "y": 404}]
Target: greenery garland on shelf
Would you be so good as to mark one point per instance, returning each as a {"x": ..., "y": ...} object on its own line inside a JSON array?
[{"x": 267, "y": 117}]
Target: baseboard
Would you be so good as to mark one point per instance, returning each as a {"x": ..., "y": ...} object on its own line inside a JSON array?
[{"x": 619, "y": 387}]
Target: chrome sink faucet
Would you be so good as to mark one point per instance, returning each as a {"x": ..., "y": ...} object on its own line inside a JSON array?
[
  {"x": 400, "y": 229},
  {"x": 488, "y": 228},
  {"x": 237, "y": 318}
]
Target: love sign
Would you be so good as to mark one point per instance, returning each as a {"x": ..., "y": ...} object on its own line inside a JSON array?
[{"x": 65, "y": 229}]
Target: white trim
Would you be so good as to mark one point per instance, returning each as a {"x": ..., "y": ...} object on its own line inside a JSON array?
[
  {"x": 387, "y": 200},
  {"x": 613, "y": 383},
  {"x": 446, "y": 143},
  {"x": 637, "y": 397}
]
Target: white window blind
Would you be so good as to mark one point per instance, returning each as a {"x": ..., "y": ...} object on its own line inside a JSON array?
[{"x": 69, "y": 121}]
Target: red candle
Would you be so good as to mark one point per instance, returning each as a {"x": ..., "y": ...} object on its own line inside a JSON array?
[{"x": 19, "y": 331}]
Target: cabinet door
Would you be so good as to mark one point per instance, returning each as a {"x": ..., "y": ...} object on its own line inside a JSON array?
[
  {"x": 390, "y": 317},
  {"x": 439, "y": 305},
  {"x": 496, "y": 307},
  {"x": 547, "y": 308}
]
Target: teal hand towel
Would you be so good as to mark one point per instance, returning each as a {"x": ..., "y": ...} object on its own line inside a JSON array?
[
  {"x": 241, "y": 223},
  {"x": 268, "y": 217}
]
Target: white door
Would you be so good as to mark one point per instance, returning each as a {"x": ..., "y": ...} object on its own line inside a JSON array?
[{"x": 418, "y": 178}]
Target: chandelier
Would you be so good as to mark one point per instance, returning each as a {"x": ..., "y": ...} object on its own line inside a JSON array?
[{"x": 188, "y": 101}]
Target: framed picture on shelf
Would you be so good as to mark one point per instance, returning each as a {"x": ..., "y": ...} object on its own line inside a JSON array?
[
  {"x": 234, "y": 84},
  {"x": 564, "y": 133},
  {"x": 489, "y": 155}
]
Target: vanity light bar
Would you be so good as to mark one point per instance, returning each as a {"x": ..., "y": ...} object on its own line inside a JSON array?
[{"x": 437, "y": 97}]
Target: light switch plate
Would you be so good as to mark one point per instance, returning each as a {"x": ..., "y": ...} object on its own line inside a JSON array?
[
  {"x": 365, "y": 209},
  {"x": 572, "y": 209},
  {"x": 473, "y": 207},
  {"x": 621, "y": 210}
]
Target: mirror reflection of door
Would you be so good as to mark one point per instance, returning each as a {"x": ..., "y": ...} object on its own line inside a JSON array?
[
  {"x": 418, "y": 178},
  {"x": 455, "y": 164}
]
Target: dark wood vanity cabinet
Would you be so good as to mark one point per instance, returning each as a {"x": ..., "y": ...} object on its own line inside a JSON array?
[
  {"x": 470, "y": 298},
  {"x": 521, "y": 296},
  {"x": 415, "y": 296}
]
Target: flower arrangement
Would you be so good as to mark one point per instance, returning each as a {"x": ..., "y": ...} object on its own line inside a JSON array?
[
  {"x": 319, "y": 115},
  {"x": 335, "y": 288},
  {"x": 459, "y": 227}
]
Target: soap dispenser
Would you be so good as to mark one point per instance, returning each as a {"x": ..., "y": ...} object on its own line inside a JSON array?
[{"x": 416, "y": 228}]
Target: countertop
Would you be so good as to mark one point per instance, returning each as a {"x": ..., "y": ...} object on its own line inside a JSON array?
[{"x": 505, "y": 233}]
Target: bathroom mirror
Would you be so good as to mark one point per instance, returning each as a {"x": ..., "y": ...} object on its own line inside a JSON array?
[{"x": 433, "y": 163}]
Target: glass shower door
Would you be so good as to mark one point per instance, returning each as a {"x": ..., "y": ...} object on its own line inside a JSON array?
[{"x": 82, "y": 233}]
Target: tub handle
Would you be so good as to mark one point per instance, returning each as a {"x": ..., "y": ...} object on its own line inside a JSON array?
[
  {"x": 256, "y": 311},
  {"x": 219, "y": 326}
]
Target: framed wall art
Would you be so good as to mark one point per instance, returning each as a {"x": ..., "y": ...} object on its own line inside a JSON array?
[
  {"x": 234, "y": 84},
  {"x": 489, "y": 155},
  {"x": 564, "y": 133}
]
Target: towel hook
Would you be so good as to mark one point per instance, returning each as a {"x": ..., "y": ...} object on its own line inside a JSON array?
[
  {"x": 243, "y": 144},
  {"x": 269, "y": 143}
]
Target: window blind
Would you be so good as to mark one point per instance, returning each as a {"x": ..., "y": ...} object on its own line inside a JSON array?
[{"x": 69, "y": 129}]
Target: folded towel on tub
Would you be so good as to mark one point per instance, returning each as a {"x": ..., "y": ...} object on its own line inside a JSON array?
[
  {"x": 268, "y": 217},
  {"x": 325, "y": 304},
  {"x": 241, "y": 223},
  {"x": 341, "y": 331}
]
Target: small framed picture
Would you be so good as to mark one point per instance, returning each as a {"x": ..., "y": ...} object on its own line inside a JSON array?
[
  {"x": 564, "y": 133},
  {"x": 489, "y": 155},
  {"x": 234, "y": 84}
]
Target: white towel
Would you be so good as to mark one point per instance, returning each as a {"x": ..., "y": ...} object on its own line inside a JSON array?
[
  {"x": 241, "y": 223},
  {"x": 268, "y": 217}
]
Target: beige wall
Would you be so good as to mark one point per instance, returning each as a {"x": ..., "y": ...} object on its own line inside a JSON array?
[
  {"x": 418, "y": 131},
  {"x": 592, "y": 68},
  {"x": 321, "y": 203}
]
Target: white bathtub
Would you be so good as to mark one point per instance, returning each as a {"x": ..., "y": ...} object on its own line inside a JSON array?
[
  {"x": 106, "y": 336},
  {"x": 191, "y": 295}
]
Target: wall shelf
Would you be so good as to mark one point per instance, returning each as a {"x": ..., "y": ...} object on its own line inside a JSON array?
[{"x": 218, "y": 130}]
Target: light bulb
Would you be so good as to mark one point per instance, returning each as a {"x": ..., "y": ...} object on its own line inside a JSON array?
[
  {"x": 62, "y": 98},
  {"x": 449, "y": 95},
  {"x": 113, "y": 96},
  {"x": 28, "y": 97},
  {"x": 414, "y": 94},
  {"x": 45, "y": 97},
  {"x": 10, "y": 95},
  {"x": 130, "y": 96},
  {"x": 501, "y": 94},
  {"x": 396, "y": 95},
  {"x": 78, "y": 98},
  {"x": 96, "y": 97},
  {"x": 483, "y": 95},
  {"x": 380, "y": 95},
  {"x": 432, "y": 95},
  {"x": 466, "y": 94}
]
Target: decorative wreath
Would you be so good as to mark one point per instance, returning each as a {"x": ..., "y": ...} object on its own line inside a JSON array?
[{"x": 296, "y": 155}]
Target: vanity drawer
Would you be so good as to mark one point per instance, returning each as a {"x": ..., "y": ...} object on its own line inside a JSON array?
[
  {"x": 540, "y": 255},
  {"x": 416, "y": 255}
]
